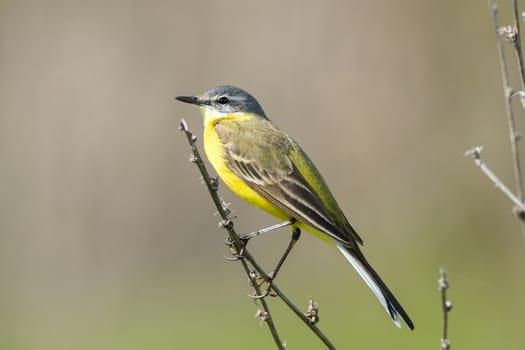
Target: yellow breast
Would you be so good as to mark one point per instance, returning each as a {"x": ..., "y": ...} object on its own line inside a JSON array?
[{"x": 214, "y": 149}]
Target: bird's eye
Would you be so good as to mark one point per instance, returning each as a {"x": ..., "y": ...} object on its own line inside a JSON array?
[{"x": 223, "y": 100}]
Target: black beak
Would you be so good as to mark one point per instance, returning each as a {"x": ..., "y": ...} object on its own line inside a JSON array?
[{"x": 189, "y": 99}]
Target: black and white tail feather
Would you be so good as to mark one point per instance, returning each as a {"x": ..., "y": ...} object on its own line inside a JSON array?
[{"x": 378, "y": 287}]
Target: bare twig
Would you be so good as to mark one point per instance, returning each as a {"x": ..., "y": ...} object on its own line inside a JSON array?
[
  {"x": 475, "y": 153},
  {"x": 237, "y": 246},
  {"x": 446, "y": 306},
  {"x": 212, "y": 188},
  {"x": 517, "y": 42},
  {"x": 512, "y": 35}
]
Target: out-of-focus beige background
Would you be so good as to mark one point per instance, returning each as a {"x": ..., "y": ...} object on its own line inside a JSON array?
[{"x": 108, "y": 240}]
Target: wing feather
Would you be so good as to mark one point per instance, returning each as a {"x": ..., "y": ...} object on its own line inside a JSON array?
[{"x": 274, "y": 176}]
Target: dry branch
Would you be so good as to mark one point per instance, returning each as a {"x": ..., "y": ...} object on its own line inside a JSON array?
[{"x": 246, "y": 257}]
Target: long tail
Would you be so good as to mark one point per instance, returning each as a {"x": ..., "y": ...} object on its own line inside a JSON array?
[{"x": 378, "y": 287}]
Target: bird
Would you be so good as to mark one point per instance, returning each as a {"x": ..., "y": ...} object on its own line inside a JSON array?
[{"x": 266, "y": 167}]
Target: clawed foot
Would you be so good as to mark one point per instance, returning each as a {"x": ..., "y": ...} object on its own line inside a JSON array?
[
  {"x": 260, "y": 281},
  {"x": 232, "y": 257},
  {"x": 235, "y": 255}
]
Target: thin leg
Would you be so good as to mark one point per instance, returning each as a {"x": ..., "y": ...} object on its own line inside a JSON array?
[
  {"x": 296, "y": 234},
  {"x": 247, "y": 236}
]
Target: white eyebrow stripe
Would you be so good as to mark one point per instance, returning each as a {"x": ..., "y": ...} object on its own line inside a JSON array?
[{"x": 233, "y": 98}]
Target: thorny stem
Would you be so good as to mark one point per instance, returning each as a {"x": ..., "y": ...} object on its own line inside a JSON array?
[{"x": 246, "y": 256}]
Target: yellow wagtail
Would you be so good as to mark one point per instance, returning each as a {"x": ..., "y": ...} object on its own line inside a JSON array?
[{"x": 266, "y": 167}]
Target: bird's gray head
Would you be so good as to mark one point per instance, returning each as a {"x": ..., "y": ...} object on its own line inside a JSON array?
[{"x": 225, "y": 100}]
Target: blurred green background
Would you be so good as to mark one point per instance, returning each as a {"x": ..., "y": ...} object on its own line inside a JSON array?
[{"x": 108, "y": 240}]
